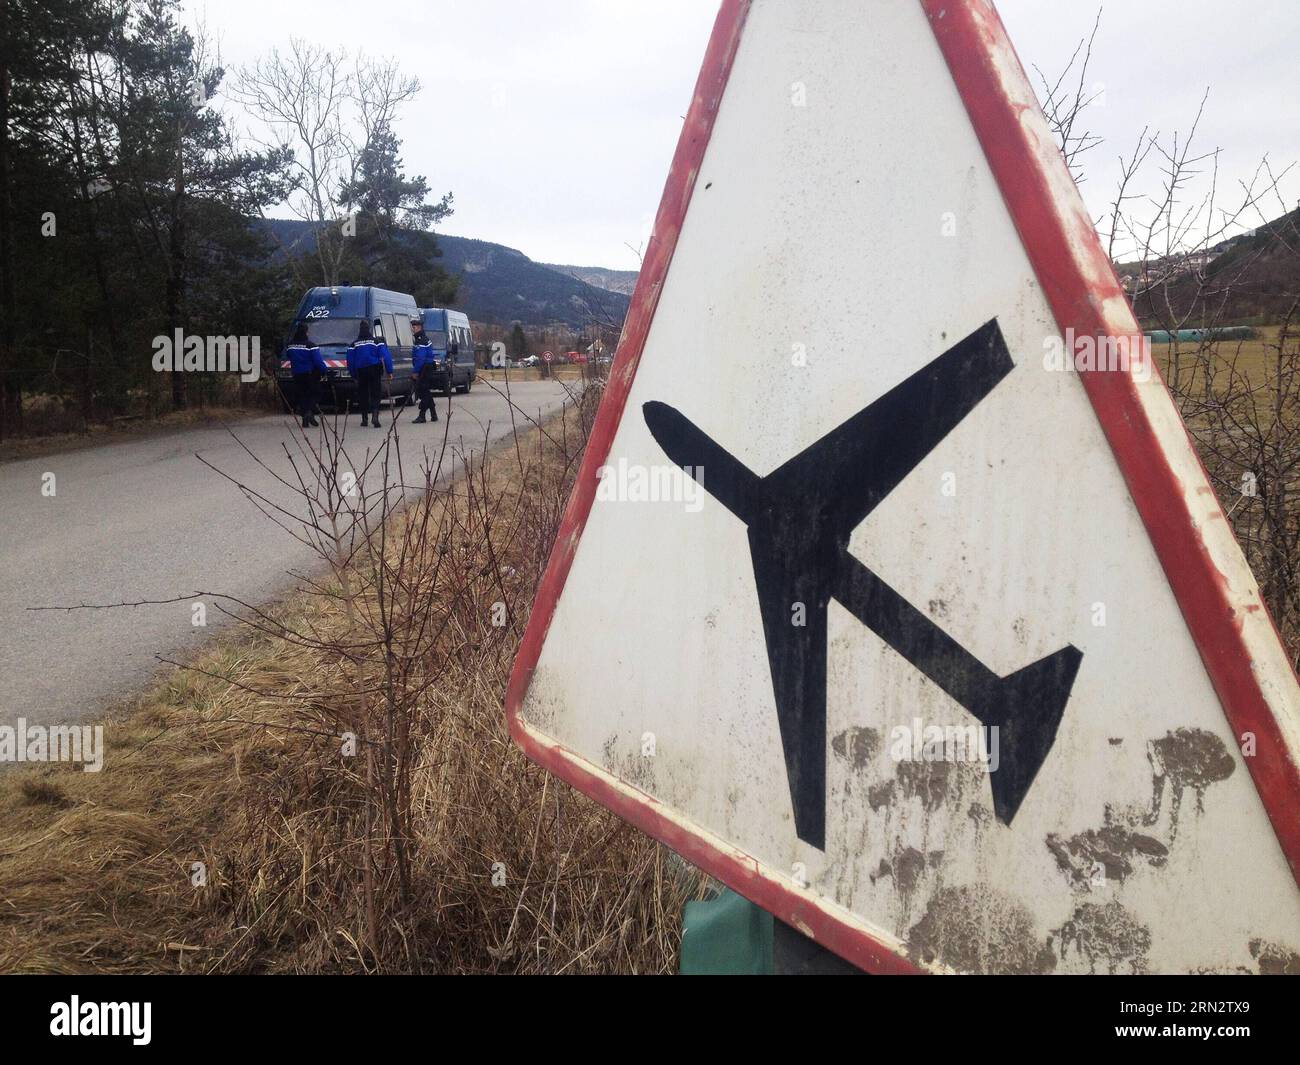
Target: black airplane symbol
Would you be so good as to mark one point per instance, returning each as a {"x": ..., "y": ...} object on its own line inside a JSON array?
[{"x": 800, "y": 518}]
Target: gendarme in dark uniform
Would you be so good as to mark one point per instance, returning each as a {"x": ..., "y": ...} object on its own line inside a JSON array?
[
  {"x": 423, "y": 364},
  {"x": 368, "y": 360},
  {"x": 308, "y": 367}
]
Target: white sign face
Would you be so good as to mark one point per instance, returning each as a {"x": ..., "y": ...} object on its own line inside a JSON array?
[{"x": 864, "y": 616}]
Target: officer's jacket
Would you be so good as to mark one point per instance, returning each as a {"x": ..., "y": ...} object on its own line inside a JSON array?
[
  {"x": 365, "y": 353},
  {"x": 423, "y": 355},
  {"x": 303, "y": 358}
]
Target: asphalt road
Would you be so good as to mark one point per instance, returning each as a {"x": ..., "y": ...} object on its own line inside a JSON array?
[{"x": 146, "y": 520}]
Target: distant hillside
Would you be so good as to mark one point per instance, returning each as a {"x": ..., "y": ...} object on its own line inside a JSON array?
[
  {"x": 623, "y": 281},
  {"x": 1252, "y": 278},
  {"x": 501, "y": 285}
]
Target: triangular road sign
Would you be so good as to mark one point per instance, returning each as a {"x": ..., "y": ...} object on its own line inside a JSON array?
[{"x": 943, "y": 654}]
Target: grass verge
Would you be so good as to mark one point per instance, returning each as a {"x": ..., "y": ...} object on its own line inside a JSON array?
[
  {"x": 14, "y": 449},
  {"x": 231, "y": 829}
]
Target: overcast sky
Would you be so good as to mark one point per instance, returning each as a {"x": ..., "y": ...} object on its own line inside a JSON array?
[{"x": 553, "y": 121}]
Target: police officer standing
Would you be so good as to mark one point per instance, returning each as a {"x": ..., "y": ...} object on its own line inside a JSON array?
[
  {"x": 422, "y": 364},
  {"x": 368, "y": 359},
  {"x": 307, "y": 365}
]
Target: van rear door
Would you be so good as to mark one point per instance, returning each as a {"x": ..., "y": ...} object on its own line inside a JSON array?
[{"x": 396, "y": 329}]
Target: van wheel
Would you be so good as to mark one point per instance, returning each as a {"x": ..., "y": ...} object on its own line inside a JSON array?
[{"x": 469, "y": 383}]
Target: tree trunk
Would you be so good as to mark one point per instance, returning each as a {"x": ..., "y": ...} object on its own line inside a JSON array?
[
  {"x": 176, "y": 272},
  {"x": 10, "y": 396},
  {"x": 94, "y": 246}
]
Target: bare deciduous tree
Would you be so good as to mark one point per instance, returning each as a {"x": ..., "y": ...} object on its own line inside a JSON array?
[{"x": 326, "y": 108}]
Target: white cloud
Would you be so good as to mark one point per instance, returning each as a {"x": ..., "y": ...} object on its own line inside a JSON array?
[{"x": 554, "y": 121}]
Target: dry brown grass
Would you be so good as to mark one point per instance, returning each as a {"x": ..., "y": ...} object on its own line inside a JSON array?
[
  {"x": 44, "y": 440},
  {"x": 563, "y": 372},
  {"x": 1241, "y": 402},
  {"x": 236, "y": 763}
]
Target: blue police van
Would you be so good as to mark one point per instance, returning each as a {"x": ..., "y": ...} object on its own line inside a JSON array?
[
  {"x": 453, "y": 349},
  {"x": 332, "y": 315}
]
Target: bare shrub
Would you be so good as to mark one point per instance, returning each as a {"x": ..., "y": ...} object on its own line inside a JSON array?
[
  {"x": 1199, "y": 257},
  {"x": 433, "y": 844}
]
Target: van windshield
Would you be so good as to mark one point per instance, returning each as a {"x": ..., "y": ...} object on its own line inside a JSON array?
[
  {"x": 332, "y": 330},
  {"x": 437, "y": 337}
]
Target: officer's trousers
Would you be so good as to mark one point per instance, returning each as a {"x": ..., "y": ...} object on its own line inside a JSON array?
[
  {"x": 425, "y": 387},
  {"x": 368, "y": 378},
  {"x": 306, "y": 390}
]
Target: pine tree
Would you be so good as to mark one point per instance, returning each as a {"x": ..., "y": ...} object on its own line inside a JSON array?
[
  {"x": 189, "y": 189},
  {"x": 127, "y": 205},
  {"x": 393, "y": 247},
  {"x": 518, "y": 342}
]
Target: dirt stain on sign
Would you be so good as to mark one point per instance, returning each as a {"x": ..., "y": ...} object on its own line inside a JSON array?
[
  {"x": 931, "y": 782},
  {"x": 978, "y": 929},
  {"x": 907, "y": 868},
  {"x": 880, "y": 796},
  {"x": 1105, "y": 935},
  {"x": 1113, "y": 850},
  {"x": 636, "y": 768},
  {"x": 1274, "y": 959},
  {"x": 857, "y": 746},
  {"x": 1185, "y": 758}
]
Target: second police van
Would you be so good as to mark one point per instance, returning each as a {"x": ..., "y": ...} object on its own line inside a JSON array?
[{"x": 453, "y": 349}]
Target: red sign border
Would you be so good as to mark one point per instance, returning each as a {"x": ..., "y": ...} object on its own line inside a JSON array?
[{"x": 1083, "y": 292}]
